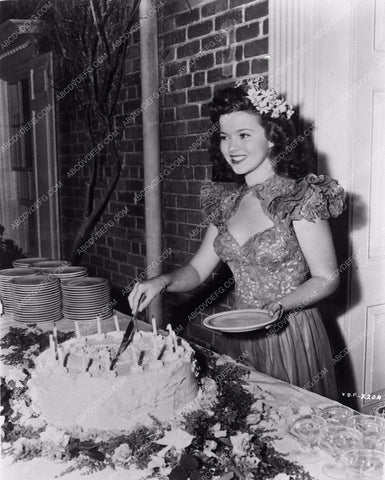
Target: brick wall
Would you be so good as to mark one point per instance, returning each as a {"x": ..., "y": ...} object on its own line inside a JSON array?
[
  {"x": 200, "y": 49},
  {"x": 119, "y": 254}
]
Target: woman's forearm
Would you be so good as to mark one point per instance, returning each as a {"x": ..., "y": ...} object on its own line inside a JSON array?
[
  {"x": 310, "y": 292},
  {"x": 182, "y": 279}
]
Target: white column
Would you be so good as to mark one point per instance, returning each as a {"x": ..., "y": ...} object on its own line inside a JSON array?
[
  {"x": 293, "y": 53},
  {"x": 288, "y": 26},
  {"x": 151, "y": 145},
  {"x": 310, "y": 64}
]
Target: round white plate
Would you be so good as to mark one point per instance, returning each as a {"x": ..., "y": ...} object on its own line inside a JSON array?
[
  {"x": 7, "y": 274},
  {"x": 44, "y": 320},
  {"x": 237, "y": 321},
  {"x": 50, "y": 264},
  {"x": 28, "y": 261},
  {"x": 86, "y": 282},
  {"x": 31, "y": 281}
]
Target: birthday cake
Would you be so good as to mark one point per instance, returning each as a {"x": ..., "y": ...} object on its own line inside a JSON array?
[{"x": 73, "y": 384}]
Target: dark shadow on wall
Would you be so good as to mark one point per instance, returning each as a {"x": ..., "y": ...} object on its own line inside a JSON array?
[{"x": 338, "y": 304}]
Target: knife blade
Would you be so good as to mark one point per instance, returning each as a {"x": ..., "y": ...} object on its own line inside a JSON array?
[
  {"x": 128, "y": 334},
  {"x": 127, "y": 337}
]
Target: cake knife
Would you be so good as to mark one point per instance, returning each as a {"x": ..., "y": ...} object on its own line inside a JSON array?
[{"x": 127, "y": 337}]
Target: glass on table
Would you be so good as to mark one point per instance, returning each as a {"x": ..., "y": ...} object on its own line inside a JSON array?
[
  {"x": 380, "y": 412},
  {"x": 336, "y": 415},
  {"x": 306, "y": 429},
  {"x": 335, "y": 440},
  {"x": 371, "y": 427},
  {"x": 364, "y": 464}
]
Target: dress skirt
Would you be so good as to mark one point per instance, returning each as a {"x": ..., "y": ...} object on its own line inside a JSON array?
[{"x": 296, "y": 350}]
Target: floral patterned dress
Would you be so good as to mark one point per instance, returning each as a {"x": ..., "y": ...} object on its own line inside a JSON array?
[{"x": 269, "y": 266}]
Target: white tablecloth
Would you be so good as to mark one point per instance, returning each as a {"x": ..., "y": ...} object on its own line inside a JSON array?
[{"x": 284, "y": 395}]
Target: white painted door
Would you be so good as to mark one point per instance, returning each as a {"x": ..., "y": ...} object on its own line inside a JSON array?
[
  {"x": 329, "y": 58},
  {"x": 29, "y": 187},
  {"x": 366, "y": 321}
]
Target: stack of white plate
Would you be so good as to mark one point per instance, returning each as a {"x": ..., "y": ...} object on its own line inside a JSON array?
[
  {"x": 65, "y": 273},
  {"x": 36, "y": 299},
  {"x": 5, "y": 286},
  {"x": 47, "y": 266},
  {"x": 26, "y": 262},
  {"x": 85, "y": 299}
]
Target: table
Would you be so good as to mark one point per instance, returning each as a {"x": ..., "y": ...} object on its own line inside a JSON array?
[{"x": 283, "y": 395}]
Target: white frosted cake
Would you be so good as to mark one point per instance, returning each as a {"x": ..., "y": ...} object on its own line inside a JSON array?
[{"x": 153, "y": 378}]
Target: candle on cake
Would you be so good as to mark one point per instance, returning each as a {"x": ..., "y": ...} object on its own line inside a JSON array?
[
  {"x": 99, "y": 325},
  {"x": 154, "y": 330},
  {"x": 116, "y": 321},
  {"x": 77, "y": 329},
  {"x": 54, "y": 338},
  {"x": 51, "y": 343},
  {"x": 169, "y": 338},
  {"x": 172, "y": 337}
]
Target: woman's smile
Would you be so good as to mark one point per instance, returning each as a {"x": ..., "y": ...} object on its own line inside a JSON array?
[{"x": 237, "y": 159}]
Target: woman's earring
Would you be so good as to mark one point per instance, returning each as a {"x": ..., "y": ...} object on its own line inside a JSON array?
[{"x": 271, "y": 144}]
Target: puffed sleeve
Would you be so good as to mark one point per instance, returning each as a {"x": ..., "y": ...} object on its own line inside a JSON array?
[
  {"x": 211, "y": 202},
  {"x": 310, "y": 198}
]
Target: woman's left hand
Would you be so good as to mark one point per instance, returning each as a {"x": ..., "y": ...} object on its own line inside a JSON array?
[{"x": 275, "y": 310}]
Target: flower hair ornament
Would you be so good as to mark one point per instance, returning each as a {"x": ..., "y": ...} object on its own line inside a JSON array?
[{"x": 265, "y": 100}]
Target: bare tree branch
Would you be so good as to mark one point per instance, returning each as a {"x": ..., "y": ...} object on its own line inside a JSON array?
[{"x": 84, "y": 33}]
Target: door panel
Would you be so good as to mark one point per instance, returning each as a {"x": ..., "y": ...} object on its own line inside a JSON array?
[
  {"x": 28, "y": 181},
  {"x": 377, "y": 190},
  {"x": 368, "y": 232},
  {"x": 22, "y": 166},
  {"x": 379, "y": 26},
  {"x": 375, "y": 351}
]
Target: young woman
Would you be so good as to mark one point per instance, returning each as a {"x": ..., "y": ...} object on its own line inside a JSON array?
[{"x": 274, "y": 235}]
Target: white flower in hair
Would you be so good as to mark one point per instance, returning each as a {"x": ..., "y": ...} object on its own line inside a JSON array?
[{"x": 265, "y": 100}]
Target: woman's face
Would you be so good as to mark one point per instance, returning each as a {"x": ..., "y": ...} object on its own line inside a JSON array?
[{"x": 243, "y": 141}]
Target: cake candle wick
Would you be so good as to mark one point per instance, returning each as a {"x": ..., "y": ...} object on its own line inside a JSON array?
[
  {"x": 154, "y": 330},
  {"x": 117, "y": 328},
  {"x": 99, "y": 325}
]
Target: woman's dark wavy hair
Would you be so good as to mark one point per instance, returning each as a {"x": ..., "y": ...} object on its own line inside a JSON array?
[{"x": 292, "y": 156}]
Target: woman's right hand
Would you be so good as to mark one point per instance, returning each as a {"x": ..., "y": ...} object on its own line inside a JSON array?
[{"x": 144, "y": 292}]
